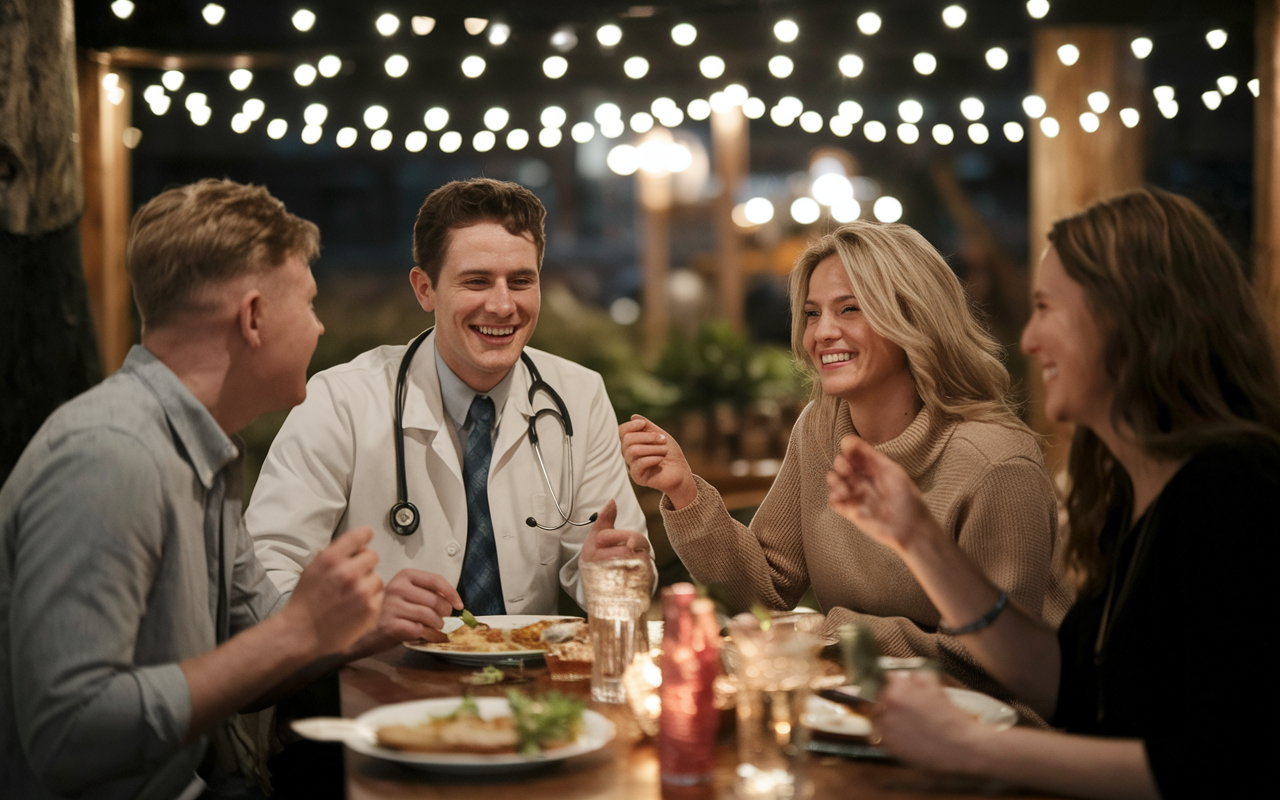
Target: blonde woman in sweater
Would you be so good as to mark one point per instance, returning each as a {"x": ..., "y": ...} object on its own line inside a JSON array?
[{"x": 897, "y": 358}]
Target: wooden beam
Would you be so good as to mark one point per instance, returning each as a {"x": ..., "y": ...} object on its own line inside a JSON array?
[
  {"x": 730, "y": 154},
  {"x": 138, "y": 58},
  {"x": 104, "y": 228},
  {"x": 1266, "y": 225},
  {"x": 1076, "y": 167}
]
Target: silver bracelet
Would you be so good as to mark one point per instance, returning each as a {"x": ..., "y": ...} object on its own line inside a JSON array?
[{"x": 979, "y": 623}]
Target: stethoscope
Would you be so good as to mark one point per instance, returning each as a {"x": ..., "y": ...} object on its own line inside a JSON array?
[{"x": 404, "y": 515}]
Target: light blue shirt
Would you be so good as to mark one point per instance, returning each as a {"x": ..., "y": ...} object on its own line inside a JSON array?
[{"x": 457, "y": 398}]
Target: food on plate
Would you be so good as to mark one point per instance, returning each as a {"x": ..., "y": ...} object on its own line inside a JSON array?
[
  {"x": 568, "y": 648},
  {"x": 535, "y": 724},
  {"x": 482, "y": 638}
]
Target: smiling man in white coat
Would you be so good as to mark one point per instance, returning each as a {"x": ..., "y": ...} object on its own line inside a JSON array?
[{"x": 464, "y": 513}]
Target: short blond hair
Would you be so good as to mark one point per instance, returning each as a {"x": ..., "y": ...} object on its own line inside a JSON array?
[
  {"x": 912, "y": 298},
  {"x": 186, "y": 239}
]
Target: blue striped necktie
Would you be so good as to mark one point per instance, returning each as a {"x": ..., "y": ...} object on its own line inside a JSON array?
[{"x": 481, "y": 584}]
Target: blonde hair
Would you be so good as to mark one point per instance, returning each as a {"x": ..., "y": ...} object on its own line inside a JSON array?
[
  {"x": 912, "y": 298},
  {"x": 208, "y": 232}
]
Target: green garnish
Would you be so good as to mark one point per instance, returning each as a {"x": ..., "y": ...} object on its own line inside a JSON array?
[
  {"x": 761, "y": 613},
  {"x": 469, "y": 619},
  {"x": 550, "y": 719},
  {"x": 490, "y": 674}
]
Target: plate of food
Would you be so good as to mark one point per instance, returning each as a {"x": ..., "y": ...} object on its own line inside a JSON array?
[
  {"x": 838, "y": 719},
  {"x": 493, "y": 639},
  {"x": 471, "y": 735}
]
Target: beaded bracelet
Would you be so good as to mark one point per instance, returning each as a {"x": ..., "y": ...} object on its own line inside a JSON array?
[{"x": 979, "y": 623}]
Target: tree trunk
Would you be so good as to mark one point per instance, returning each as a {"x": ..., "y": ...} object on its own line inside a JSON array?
[{"x": 48, "y": 352}]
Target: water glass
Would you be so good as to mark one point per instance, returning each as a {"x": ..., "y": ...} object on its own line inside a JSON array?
[
  {"x": 772, "y": 668},
  {"x": 617, "y": 594}
]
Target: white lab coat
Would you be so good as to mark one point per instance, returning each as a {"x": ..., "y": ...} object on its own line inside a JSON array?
[{"x": 332, "y": 468}]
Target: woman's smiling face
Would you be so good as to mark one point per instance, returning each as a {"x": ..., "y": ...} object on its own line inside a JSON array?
[{"x": 853, "y": 362}]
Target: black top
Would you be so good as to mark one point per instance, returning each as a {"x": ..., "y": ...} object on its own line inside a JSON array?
[{"x": 1186, "y": 664}]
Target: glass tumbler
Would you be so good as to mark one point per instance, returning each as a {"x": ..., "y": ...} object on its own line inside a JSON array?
[{"x": 617, "y": 594}]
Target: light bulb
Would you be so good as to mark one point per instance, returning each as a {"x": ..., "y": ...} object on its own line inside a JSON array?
[
  {"x": 684, "y": 34},
  {"x": 609, "y": 35}
]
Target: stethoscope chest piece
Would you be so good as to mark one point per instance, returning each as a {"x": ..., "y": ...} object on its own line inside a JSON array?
[{"x": 404, "y": 518}]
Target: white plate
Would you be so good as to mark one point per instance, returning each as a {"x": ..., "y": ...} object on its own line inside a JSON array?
[
  {"x": 828, "y": 717},
  {"x": 507, "y": 621},
  {"x": 597, "y": 731}
]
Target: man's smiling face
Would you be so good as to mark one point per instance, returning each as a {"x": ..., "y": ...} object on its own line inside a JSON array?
[{"x": 486, "y": 301}]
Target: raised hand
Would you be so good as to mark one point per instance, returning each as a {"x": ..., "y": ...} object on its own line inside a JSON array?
[
  {"x": 414, "y": 607},
  {"x": 917, "y": 723},
  {"x": 873, "y": 492},
  {"x": 338, "y": 596},
  {"x": 656, "y": 460},
  {"x": 605, "y": 542}
]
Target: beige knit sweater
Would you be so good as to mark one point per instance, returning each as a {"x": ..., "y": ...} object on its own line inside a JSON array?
[{"x": 985, "y": 484}]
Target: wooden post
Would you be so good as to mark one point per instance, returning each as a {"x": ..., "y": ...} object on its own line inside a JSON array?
[
  {"x": 730, "y": 152},
  {"x": 654, "y": 191},
  {"x": 1266, "y": 225},
  {"x": 1076, "y": 168},
  {"x": 104, "y": 228}
]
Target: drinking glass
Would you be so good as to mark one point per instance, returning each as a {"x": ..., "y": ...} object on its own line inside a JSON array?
[
  {"x": 772, "y": 667},
  {"x": 617, "y": 593}
]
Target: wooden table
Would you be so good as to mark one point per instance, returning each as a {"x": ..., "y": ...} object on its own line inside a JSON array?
[{"x": 626, "y": 769}]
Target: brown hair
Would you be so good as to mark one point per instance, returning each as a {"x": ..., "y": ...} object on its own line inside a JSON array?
[
  {"x": 912, "y": 298},
  {"x": 461, "y": 204},
  {"x": 212, "y": 231},
  {"x": 1185, "y": 345}
]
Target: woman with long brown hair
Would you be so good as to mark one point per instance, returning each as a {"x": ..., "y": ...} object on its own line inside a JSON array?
[
  {"x": 897, "y": 357},
  {"x": 1151, "y": 343}
]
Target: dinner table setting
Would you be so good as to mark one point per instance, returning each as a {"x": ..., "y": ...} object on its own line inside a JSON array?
[{"x": 632, "y": 702}]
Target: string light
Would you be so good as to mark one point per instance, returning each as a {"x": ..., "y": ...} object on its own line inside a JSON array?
[
  {"x": 582, "y": 132},
  {"x": 1212, "y": 99},
  {"x": 711, "y": 67},
  {"x": 609, "y": 35},
  {"x": 908, "y": 133},
  {"x": 375, "y": 117},
  {"x": 869, "y": 23},
  {"x": 303, "y": 19},
  {"x": 850, "y": 65},
  {"x": 1168, "y": 108},
  {"x": 473, "y": 66},
  {"x": 736, "y": 94},
  {"x": 435, "y": 118},
  {"x": 1255, "y": 87},
  {"x": 840, "y": 126},
  {"x": 495, "y": 119},
  {"x": 420, "y": 26},
  {"x": 925, "y": 63},
  {"x": 1068, "y": 54},
  {"x": 475, "y": 25},
  {"x": 240, "y": 123},
  {"x": 122, "y": 8},
  {"x": 1227, "y": 84},
  {"x": 786, "y": 30},
  {"x": 277, "y": 128},
  {"x": 851, "y": 111},
  {"x": 499, "y": 33},
  {"x": 387, "y": 24},
  {"x": 311, "y": 134},
  {"x": 780, "y": 66},
  {"x": 555, "y": 67},
  {"x": 846, "y": 210},
  {"x": 757, "y": 210},
  {"x": 972, "y": 109},
  {"x": 346, "y": 137},
  {"x": 172, "y": 80},
  {"x": 942, "y": 134},
  {"x": 1163, "y": 94},
  {"x": 240, "y": 79},
  {"x": 329, "y": 66},
  {"x": 887, "y": 209},
  {"x": 564, "y": 39},
  {"x": 997, "y": 58},
  {"x": 953, "y": 16},
  {"x": 1216, "y": 38},
  {"x": 910, "y": 111},
  {"x": 214, "y": 14},
  {"x": 1049, "y": 126},
  {"x": 1141, "y": 47},
  {"x": 1034, "y": 106},
  {"x": 380, "y": 140},
  {"x": 684, "y": 34},
  {"x": 553, "y": 117},
  {"x": 811, "y": 121},
  {"x": 254, "y": 109},
  {"x": 642, "y": 122},
  {"x": 196, "y": 100},
  {"x": 1013, "y": 132},
  {"x": 1089, "y": 121},
  {"x": 1037, "y": 8},
  {"x": 397, "y": 66},
  {"x": 1130, "y": 117},
  {"x": 450, "y": 141},
  {"x": 611, "y": 129},
  {"x": 315, "y": 114},
  {"x": 517, "y": 139},
  {"x": 753, "y": 108},
  {"x": 636, "y": 67},
  {"x": 874, "y": 131},
  {"x": 304, "y": 74},
  {"x": 415, "y": 141},
  {"x": 805, "y": 210},
  {"x": 623, "y": 159},
  {"x": 484, "y": 141}
]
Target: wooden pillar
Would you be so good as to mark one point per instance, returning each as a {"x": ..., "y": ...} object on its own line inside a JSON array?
[
  {"x": 1076, "y": 168},
  {"x": 730, "y": 153},
  {"x": 1266, "y": 219},
  {"x": 654, "y": 191},
  {"x": 104, "y": 228}
]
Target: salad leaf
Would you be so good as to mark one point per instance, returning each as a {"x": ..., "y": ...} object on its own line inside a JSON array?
[
  {"x": 469, "y": 619},
  {"x": 549, "y": 720}
]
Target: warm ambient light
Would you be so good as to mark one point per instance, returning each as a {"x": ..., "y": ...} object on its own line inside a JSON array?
[
  {"x": 240, "y": 79},
  {"x": 472, "y": 66},
  {"x": 1142, "y": 47},
  {"x": 1034, "y": 105},
  {"x": 396, "y": 66},
  {"x": 380, "y": 140},
  {"x": 1068, "y": 54},
  {"x": 786, "y": 30},
  {"x": 1013, "y": 132},
  {"x": 875, "y": 131},
  {"x": 780, "y": 66},
  {"x": 375, "y": 117},
  {"x": 887, "y": 209},
  {"x": 953, "y": 16},
  {"x": 346, "y": 137},
  {"x": 315, "y": 114},
  {"x": 304, "y": 74},
  {"x": 415, "y": 141},
  {"x": 122, "y": 8},
  {"x": 972, "y": 109},
  {"x": 869, "y": 23},
  {"x": 684, "y": 34},
  {"x": 925, "y": 63},
  {"x": 387, "y": 24},
  {"x": 1037, "y": 8},
  {"x": 997, "y": 58},
  {"x": 805, "y": 210},
  {"x": 435, "y": 118},
  {"x": 303, "y": 19},
  {"x": 609, "y": 35},
  {"x": 1089, "y": 122},
  {"x": 495, "y": 119},
  {"x": 214, "y": 14},
  {"x": 711, "y": 67},
  {"x": 1049, "y": 126},
  {"x": 499, "y": 33},
  {"x": 636, "y": 67},
  {"x": 330, "y": 66},
  {"x": 910, "y": 111},
  {"x": 421, "y": 26},
  {"x": 552, "y": 117},
  {"x": 758, "y": 210},
  {"x": 1216, "y": 38},
  {"x": 450, "y": 141},
  {"x": 475, "y": 25},
  {"x": 850, "y": 65},
  {"x": 908, "y": 133},
  {"x": 555, "y": 67}
]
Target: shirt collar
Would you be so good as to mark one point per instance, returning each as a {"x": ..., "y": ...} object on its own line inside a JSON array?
[
  {"x": 457, "y": 396},
  {"x": 208, "y": 447}
]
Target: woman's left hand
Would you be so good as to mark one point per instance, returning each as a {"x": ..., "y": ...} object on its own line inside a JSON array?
[{"x": 917, "y": 723}]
